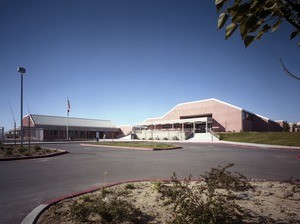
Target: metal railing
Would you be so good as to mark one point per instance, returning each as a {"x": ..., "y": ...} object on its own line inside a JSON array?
[{"x": 213, "y": 133}]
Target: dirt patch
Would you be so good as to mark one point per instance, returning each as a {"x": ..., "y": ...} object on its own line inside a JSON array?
[{"x": 274, "y": 201}]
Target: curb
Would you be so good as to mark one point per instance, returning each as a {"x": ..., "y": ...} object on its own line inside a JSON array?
[
  {"x": 34, "y": 214},
  {"x": 60, "y": 152},
  {"x": 261, "y": 146},
  {"x": 172, "y": 148},
  {"x": 133, "y": 148}
]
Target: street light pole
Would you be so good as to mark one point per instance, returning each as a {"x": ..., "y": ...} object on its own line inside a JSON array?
[{"x": 22, "y": 71}]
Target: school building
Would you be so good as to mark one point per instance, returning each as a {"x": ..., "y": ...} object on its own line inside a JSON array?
[
  {"x": 45, "y": 127},
  {"x": 198, "y": 120},
  {"x": 202, "y": 119}
]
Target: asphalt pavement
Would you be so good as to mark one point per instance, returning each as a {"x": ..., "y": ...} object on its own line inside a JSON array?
[{"x": 26, "y": 184}]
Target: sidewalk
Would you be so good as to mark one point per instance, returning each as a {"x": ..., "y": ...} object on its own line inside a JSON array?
[{"x": 259, "y": 145}]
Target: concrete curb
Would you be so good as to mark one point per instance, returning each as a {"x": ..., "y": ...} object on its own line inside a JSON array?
[
  {"x": 60, "y": 152},
  {"x": 34, "y": 214},
  {"x": 256, "y": 145},
  {"x": 133, "y": 148}
]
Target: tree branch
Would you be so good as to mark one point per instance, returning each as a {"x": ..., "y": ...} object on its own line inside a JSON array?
[
  {"x": 286, "y": 14},
  {"x": 288, "y": 72}
]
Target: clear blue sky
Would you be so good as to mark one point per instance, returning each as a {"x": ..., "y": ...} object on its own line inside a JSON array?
[{"x": 127, "y": 60}]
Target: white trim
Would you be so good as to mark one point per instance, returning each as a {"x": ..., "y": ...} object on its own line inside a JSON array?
[
  {"x": 266, "y": 118},
  {"x": 125, "y": 125},
  {"x": 192, "y": 102},
  {"x": 178, "y": 121},
  {"x": 31, "y": 119},
  {"x": 200, "y": 101},
  {"x": 228, "y": 104},
  {"x": 152, "y": 118}
]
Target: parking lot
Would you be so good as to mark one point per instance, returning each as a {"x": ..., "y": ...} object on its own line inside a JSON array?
[{"x": 25, "y": 184}]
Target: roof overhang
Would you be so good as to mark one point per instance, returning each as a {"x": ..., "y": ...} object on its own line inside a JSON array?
[{"x": 179, "y": 121}]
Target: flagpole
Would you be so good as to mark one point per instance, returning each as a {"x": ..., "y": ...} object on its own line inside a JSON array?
[
  {"x": 67, "y": 125},
  {"x": 68, "y": 110}
]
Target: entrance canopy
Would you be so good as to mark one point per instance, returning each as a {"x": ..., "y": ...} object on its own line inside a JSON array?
[{"x": 207, "y": 120}]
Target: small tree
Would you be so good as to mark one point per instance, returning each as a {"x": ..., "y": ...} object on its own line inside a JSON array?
[{"x": 14, "y": 122}]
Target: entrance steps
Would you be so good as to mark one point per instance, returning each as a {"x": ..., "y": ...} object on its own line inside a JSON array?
[
  {"x": 203, "y": 137},
  {"x": 126, "y": 137}
]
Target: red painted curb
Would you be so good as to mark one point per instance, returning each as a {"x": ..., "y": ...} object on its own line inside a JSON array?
[{"x": 93, "y": 189}]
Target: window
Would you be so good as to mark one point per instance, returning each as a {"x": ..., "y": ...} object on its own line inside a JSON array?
[
  {"x": 247, "y": 116},
  {"x": 167, "y": 126},
  {"x": 176, "y": 125},
  {"x": 53, "y": 132}
]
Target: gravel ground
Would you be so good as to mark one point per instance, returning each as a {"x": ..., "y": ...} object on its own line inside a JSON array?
[{"x": 275, "y": 201}]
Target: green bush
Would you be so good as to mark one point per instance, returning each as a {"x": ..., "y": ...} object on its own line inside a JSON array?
[
  {"x": 21, "y": 149},
  {"x": 110, "y": 207},
  {"x": 8, "y": 152},
  {"x": 156, "y": 185},
  {"x": 37, "y": 148},
  {"x": 222, "y": 178},
  {"x": 204, "y": 201},
  {"x": 129, "y": 186}
]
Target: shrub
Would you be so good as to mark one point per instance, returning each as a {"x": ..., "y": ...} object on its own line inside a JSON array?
[
  {"x": 109, "y": 207},
  {"x": 80, "y": 212},
  {"x": 157, "y": 185},
  {"x": 27, "y": 153},
  {"x": 222, "y": 178},
  {"x": 21, "y": 149},
  {"x": 37, "y": 148},
  {"x": 8, "y": 152},
  {"x": 204, "y": 202},
  {"x": 129, "y": 186}
]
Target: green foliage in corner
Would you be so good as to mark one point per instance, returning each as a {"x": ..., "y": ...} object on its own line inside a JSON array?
[{"x": 254, "y": 18}]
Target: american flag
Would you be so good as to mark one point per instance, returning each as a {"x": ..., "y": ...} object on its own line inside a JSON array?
[{"x": 68, "y": 106}]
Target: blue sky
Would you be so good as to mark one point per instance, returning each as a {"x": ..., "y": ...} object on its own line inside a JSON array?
[{"x": 127, "y": 60}]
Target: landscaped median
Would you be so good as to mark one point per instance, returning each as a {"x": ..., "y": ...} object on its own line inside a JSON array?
[
  {"x": 138, "y": 145},
  {"x": 15, "y": 152},
  {"x": 219, "y": 196}
]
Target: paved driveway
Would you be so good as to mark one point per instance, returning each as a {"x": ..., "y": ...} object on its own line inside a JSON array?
[{"x": 25, "y": 184}]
